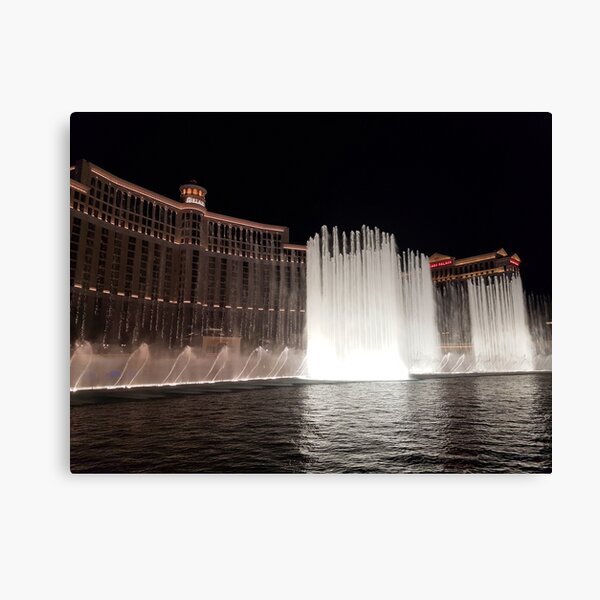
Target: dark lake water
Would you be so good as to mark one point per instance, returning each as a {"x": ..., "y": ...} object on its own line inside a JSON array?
[{"x": 492, "y": 424}]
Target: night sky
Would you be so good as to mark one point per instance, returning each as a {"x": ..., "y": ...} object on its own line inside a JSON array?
[{"x": 456, "y": 183}]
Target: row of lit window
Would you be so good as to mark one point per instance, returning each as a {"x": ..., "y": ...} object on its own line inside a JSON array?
[
  {"x": 132, "y": 222},
  {"x": 161, "y": 215},
  {"x": 218, "y": 244}
]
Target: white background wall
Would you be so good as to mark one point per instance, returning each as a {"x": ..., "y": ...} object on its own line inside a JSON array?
[{"x": 65, "y": 536}]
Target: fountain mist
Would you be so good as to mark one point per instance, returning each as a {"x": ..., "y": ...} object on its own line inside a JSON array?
[
  {"x": 370, "y": 313},
  {"x": 499, "y": 328},
  {"x": 419, "y": 332}
]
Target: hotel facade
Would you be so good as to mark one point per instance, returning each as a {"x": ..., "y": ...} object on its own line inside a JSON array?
[
  {"x": 446, "y": 269},
  {"x": 147, "y": 268}
]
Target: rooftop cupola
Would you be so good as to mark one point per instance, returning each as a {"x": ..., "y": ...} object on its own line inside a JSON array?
[{"x": 192, "y": 193}]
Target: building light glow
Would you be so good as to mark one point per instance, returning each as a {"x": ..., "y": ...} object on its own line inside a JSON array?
[
  {"x": 191, "y": 200},
  {"x": 441, "y": 263},
  {"x": 185, "y": 222}
]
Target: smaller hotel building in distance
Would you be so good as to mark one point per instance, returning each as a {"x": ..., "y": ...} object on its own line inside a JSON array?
[
  {"x": 148, "y": 268},
  {"x": 451, "y": 275},
  {"x": 447, "y": 268}
]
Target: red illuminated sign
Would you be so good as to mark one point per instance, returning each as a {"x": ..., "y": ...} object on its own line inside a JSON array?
[
  {"x": 442, "y": 263},
  {"x": 515, "y": 262}
]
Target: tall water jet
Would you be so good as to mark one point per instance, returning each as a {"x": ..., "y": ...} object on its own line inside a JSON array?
[
  {"x": 419, "y": 329},
  {"x": 539, "y": 312},
  {"x": 454, "y": 321},
  {"x": 353, "y": 307},
  {"x": 500, "y": 333}
]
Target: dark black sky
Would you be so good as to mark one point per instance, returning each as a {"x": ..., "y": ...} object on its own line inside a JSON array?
[{"x": 457, "y": 183}]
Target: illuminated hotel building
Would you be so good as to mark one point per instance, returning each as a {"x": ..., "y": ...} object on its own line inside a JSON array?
[
  {"x": 147, "y": 268},
  {"x": 447, "y": 268},
  {"x": 450, "y": 275}
]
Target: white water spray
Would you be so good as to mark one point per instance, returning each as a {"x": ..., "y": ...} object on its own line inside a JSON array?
[
  {"x": 147, "y": 356},
  {"x": 280, "y": 363},
  {"x": 222, "y": 353},
  {"x": 254, "y": 352},
  {"x": 500, "y": 333},
  {"x": 85, "y": 355},
  {"x": 370, "y": 312},
  {"x": 184, "y": 356},
  {"x": 142, "y": 351}
]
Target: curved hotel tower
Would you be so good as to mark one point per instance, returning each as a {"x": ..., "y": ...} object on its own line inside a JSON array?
[{"x": 147, "y": 268}]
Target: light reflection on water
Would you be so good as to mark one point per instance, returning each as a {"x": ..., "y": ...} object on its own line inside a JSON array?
[{"x": 466, "y": 424}]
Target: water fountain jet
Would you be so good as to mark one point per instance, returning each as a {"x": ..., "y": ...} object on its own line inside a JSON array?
[{"x": 346, "y": 327}]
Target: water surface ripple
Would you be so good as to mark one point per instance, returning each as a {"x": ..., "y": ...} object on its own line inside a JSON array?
[{"x": 491, "y": 424}]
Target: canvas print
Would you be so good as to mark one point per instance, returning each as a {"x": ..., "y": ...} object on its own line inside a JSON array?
[{"x": 310, "y": 293}]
